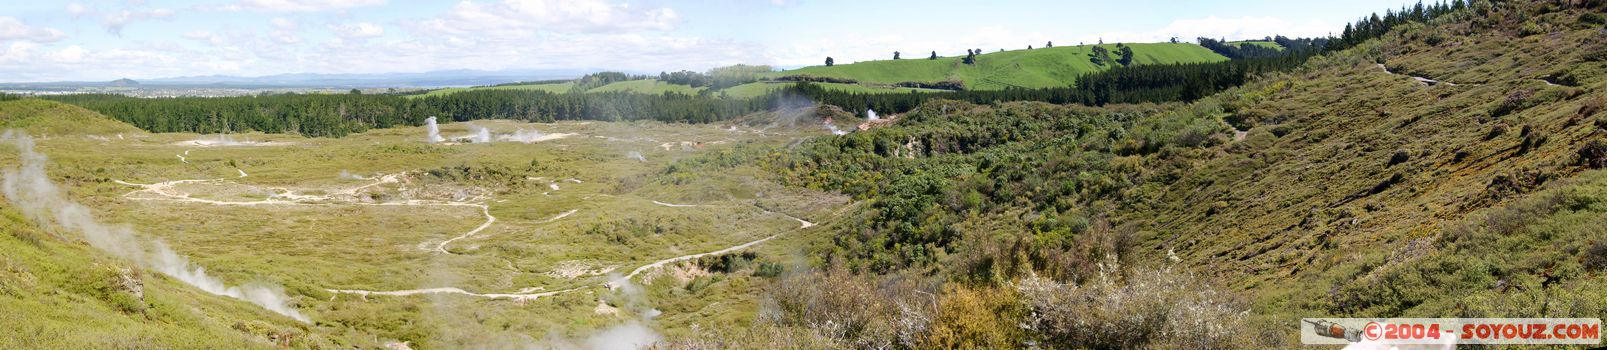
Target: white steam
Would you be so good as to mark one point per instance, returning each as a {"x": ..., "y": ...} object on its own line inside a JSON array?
[
  {"x": 345, "y": 175},
  {"x": 481, "y": 135},
  {"x": 631, "y": 335},
  {"x": 524, "y": 136},
  {"x": 871, "y": 114},
  {"x": 636, "y": 155},
  {"x": 435, "y": 130},
  {"x": 835, "y": 130},
  {"x": 29, "y": 188}
]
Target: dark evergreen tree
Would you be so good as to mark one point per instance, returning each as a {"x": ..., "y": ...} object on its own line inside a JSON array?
[
  {"x": 830, "y": 62},
  {"x": 895, "y": 55}
]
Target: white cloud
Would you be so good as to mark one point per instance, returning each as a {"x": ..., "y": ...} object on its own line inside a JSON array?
[
  {"x": 600, "y": 16},
  {"x": 360, "y": 30},
  {"x": 205, "y": 36},
  {"x": 300, "y": 5},
  {"x": 282, "y": 23},
  {"x": 12, "y": 28},
  {"x": 1247, "y": 27},
  {"x": 77, "y": 9},
  {"x": 116, "y": 21},
  {"x": 851, "y": 47}
]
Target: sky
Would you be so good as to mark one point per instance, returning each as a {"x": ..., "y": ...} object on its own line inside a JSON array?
[{"x": 102, "y": 40}]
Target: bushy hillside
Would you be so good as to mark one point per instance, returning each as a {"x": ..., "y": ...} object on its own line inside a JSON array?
[
  {"x": 55, "y": 118},
  {"x": 1460, "y": 178},
  {"x": 1037, "y": 68},
  {"x": 1361, "y": 175}
]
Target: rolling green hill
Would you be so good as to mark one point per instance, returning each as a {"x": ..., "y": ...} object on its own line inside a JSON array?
[
  {"x": 556, "y": 88},
  {"x": 1038, "y": 68},
  {"x": 647, "y": 86},
  {"x": 43, "y": 117},
  {"x": 1261, "y": 43}
]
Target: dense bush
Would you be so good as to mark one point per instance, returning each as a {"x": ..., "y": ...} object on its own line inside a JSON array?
[{"x": 1144, "y": 308}]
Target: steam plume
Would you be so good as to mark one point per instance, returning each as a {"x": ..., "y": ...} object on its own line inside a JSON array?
[
  {"x": 871, "y": 114},
  {"x": 524, "y": 136},
  {"x": 435, "y": 130},
  {"x": 29, "y": 188},
  {"x": 636, "y": 155},
  {"x": 633, "y": 334},
  {"x": 481, "y": 135}
]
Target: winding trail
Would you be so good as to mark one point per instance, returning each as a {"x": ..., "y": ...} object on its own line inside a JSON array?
[
  {"x": 166, "y": 192},
  {"x": 484, "y": 209},
  {"x": 529, "y": 294},
  {"x": 656, "y": 264},
  {"x": 1420, "y": 80},
  {"x": 674, "y": 205}
]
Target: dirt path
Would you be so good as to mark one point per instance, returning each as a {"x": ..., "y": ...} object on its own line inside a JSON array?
[
  {"x": 522, "y": 295},
  {"x": 1420, "y": 80},
  {"x": 166, "y": 192},
  {"x": 674, "y": 205},
  {"x": 484, "y": 209},
  {"x": 802, "y": 225},
  {"x": 529, "y": 294}
]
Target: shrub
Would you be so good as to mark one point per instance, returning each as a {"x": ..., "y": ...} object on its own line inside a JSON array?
[
  {"x": 1515, "y": 101},
  {"x": 1530, "y": 142},
  {"x": 1391, "y": 181},
  {"x": 1149, "y": 308},
  {"x": 1495, "y": 132},
  {"x": 1596, "y": 255},
  {"x": 1397, "y": 158},
  {"x": 1592, "y": 18},
  {"x": 1531, "y": 28},
  {"x": 1590, "y": 107},
  {"x": 1594, "y": 154},
  {"x": 985, "y": 318},
  {"x": 1520, "y": 182},
  {"x": 853, "y": 310},
  {"x": 768, "y": 269}
]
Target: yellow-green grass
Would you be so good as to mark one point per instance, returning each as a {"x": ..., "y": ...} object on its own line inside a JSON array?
[
  {"x": 647, "y": 86},
  {"x": 557, "y": 88},
  {"x": 59, "y": 294},
  {"x": 308, "y": 248},
  {"x": 1050, "y": 67},
  {"x": 1261, "y": 43},
  {"x": 41, "y": 117},
  {"x": 761, "y": 88}
]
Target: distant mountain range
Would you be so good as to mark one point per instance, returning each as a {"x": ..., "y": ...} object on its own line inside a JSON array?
[{"x": 442, "y": 78}]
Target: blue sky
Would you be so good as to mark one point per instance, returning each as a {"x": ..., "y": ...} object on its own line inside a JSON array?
[{"x": 109, "y": 39}]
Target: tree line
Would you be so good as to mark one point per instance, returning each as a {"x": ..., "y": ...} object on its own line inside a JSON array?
[
  {"x": 335, "y": 115},
  {"x": 1375, "y": 26}
]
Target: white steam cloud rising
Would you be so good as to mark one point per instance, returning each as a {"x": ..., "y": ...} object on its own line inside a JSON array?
[{"x": 29, "y": 188}]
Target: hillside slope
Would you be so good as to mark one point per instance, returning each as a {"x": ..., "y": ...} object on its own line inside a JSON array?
[
  {"x": 1446, "y": 169},
  {"x": 59, "y": 293},
  {"x": 43, "y": 117},
  {"x": 1037, "y": 68},
  {"x": 1397, "y": 177}
]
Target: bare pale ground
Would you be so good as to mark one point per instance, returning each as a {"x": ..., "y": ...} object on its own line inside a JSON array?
[{"x": 565, "y": 215}]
